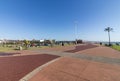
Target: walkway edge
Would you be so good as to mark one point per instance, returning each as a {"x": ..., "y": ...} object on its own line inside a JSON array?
[{"x": 35, "y": 71}]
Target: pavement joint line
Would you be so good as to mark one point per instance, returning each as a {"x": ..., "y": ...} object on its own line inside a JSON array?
[
  {"x": 86, "y": 57},
  {"x": 35, "y": 71}
]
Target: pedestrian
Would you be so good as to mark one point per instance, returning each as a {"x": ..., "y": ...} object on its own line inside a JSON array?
[{"x": 62, "y": 44}]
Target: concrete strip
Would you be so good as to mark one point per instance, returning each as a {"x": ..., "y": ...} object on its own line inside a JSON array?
[{"x": 31, "y": 74}]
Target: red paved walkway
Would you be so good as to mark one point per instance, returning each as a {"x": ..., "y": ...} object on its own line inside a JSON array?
[
  {"x": 81, "y": 47},
  {"x": 101, "y": 51},
  {"x": 14, "y": 68},
  {"x": 72, "y": 69}
]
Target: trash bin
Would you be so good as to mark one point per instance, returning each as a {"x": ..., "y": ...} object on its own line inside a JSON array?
[{"x": 20, "y": 48}]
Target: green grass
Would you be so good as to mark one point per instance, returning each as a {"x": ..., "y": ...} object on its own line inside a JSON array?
[
  {"x": 116, "y": 47},
  {"x": 6, "y": 49},
  {"x": 12, "y": 48},
  {"x": 37, "y": 48}
]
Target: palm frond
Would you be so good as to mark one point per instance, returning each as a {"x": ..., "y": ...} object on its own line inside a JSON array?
[{"x": 108, "y": 29}]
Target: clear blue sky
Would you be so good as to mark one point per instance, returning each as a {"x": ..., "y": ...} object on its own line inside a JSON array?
[{"x": 54, "y": 19}]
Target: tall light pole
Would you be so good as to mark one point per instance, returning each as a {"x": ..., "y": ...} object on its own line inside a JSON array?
[{"x": 76, "y": 27}]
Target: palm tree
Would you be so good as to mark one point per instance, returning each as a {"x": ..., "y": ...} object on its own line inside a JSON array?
[
  {"x": 26, "y": 42},
  {"x": 108, "y": 29}
]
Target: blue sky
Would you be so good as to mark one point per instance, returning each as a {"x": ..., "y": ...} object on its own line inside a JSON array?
[{"x": 55, "y": 19}]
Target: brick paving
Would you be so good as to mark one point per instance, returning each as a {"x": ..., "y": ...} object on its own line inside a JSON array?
[
  {"x": 94, "y": 64},
  {"x": 102, "y": 59},
  {"x": 101, "y": 51},
  {"x": 82, "y": 47},
  {"x": 14, "y": 68},
  {"x": 72, "y": 69},
  {"x": 89, "y": 64}
]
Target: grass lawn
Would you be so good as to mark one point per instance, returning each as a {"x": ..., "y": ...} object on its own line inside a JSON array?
[
  {"x": 116, "y": 47},
  {"x": 34, "y": 48},
  {"x": 6, "y": 49},
  {"x": 12, "y": 49}
]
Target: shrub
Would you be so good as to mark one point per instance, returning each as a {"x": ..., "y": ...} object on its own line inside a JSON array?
[
  {"x": 108, "y": 44},
  {"x": 100, "y": 43},
  {"x": 117, "y": 44}
]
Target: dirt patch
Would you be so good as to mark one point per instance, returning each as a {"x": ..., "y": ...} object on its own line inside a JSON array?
[{"x": 61, "y": 48}]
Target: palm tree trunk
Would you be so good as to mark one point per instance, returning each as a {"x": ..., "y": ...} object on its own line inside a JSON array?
[{"x": 109, "y": 37}]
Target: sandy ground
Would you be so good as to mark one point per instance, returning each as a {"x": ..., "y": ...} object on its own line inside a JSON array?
[
  {"x": 72, "y": 69},
  {"x": 31, "y": 52},
  {"x": 60, "y": 48}
]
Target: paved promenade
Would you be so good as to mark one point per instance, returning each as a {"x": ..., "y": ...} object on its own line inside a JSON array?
[
  {"x": 72, "y": 69},
  {"x": 97, "y": 58},
  {"x": 14, "y": 68},
  {"x": 82, "y": 67},
  {"x": 101, "y": 51},
  {"x": 87, "y": 63}
]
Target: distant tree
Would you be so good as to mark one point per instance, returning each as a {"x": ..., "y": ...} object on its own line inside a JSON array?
[
  {"x": 108, "y": 29},
  {"x": 26, "y": 43},
  {"x": 117, "y": 44}
]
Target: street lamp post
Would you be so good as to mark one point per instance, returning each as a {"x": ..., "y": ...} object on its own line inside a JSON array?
[{"x": 76, "y": 25}]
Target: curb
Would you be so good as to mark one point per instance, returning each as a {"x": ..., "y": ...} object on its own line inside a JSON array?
[{"x": 35, "y": 71}]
